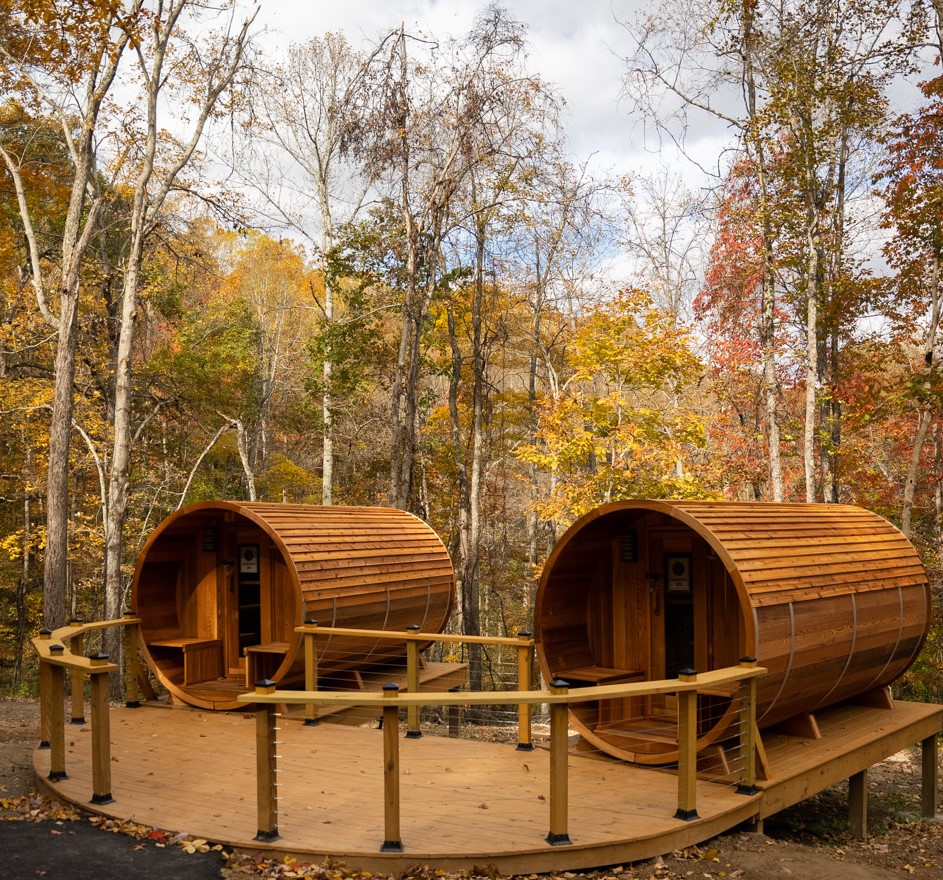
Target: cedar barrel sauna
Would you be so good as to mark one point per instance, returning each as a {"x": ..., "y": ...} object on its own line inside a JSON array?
[
  {"x": 220, "y": 587},
  {"x": 832, "y": 599}
]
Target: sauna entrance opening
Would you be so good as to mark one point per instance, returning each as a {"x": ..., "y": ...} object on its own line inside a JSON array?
[{"x": 249, "y": 590}]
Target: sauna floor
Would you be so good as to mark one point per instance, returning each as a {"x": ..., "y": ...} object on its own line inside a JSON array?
[{"x": 463, "y": 802}]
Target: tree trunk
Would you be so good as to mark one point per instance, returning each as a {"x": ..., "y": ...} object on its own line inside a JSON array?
[
  {"x": 812, "y": 370},
  {"x": 926, "y": 413}
]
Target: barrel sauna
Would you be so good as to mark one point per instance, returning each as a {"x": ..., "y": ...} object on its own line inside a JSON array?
[
  {"x": 832, "y": 599},
  {"x": 220, "y": 587}
]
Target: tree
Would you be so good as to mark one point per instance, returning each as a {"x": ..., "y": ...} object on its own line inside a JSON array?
[
  {"x": 613, "y": 433},
  {"x": 63, "y": 60},
  {"x": 811, "y": 84},
  {"x": 415, "y": 140},
  {"x": 912, "y": 183},
  {"x": 302, "y": 113},
  {"x": 199, "y": 71}
]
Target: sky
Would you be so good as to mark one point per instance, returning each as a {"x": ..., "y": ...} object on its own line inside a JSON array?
[{"x": 577, "y": 47}]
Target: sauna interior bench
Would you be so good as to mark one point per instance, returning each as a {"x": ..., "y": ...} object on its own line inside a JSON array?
[
  {"x": 202, "y": 658},
  {"x": 263, "y": 660},
  {"x": 599, "y": 674}
]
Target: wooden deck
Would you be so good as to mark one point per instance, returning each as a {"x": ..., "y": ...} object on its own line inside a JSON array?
[{"x": 463, "y": 803}]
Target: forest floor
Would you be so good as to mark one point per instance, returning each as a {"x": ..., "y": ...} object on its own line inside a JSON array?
[{"x": 806, "y": 842}]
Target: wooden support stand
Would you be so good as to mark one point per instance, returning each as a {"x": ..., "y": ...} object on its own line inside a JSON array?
[
  {"x": 929, "y": 798},
  {"x": 412, "y": 684},
  {"x": 76, "y": 679},
  {"x": 687, "y": 750},
  {"x": 559, "y": 769},
  {"x": 101, "y": 732},
  {"x": 748, "y": 738},
  {"x": 858, "y": 805},
  {"x": 45, "y": 686},
  {"x": 311, "y": 671},
  {"x": 56, "y": 719},
  {"x": 266, "y": 787},
  {"x": 132, "y": 663},
  {"x": 525, "y": 661},
  {"x": 392, "y": 840}
]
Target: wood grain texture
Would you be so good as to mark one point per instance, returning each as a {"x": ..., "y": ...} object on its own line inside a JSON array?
[
  {"x": 462, "y": 802},
  {"x": 832, "y": 599},
  {"x": 356, "y": 567}
]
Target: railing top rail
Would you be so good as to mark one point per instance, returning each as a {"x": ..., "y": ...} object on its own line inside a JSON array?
[
  {"x": 414, "y": 636},
  {"x": 69, "y": 660},
  {"x": 714, "y": 678},
  {"x": 43, "y": 644},
  {"x": 75, "y": 628}
]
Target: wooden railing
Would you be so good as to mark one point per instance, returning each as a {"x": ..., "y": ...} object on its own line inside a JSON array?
[
  {"x": 523, "y": 643},
  {"x": 60, "y": 651},
  {"x": 558, "y": 697}
]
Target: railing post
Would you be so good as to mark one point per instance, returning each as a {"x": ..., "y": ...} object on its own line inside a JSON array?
[
  {"x": 45, "y": 685},
  {"x": 311, "y": 671},
  {"x": 101, "y": 733},
  {"x": 525, "y": 661},
  {"x": 687, "y": 749},
  {"x": 559, "y": 748},
  {"x": 747, "y": 784},
  {"x": 392, "y": 839},
  {"x": 928, "y": 790},
  {"x": 412, "y": 683},
  {"x": 76, "y": 678},
  {"x": 132, "y": 663},
  {"x": 56, "y": 716},
  {"x": 267, "y": 791}
]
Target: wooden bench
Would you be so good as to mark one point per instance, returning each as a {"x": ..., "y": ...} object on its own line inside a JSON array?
[
  {"x": 263, "y": 660},
  {"x": 202, "y": 658},
  {"x": 599, "y": 675}
]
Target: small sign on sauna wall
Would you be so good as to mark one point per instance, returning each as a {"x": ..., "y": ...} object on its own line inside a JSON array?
[
  {"x": 249, "y": 559},
  {"x": 678, "y": 572}
]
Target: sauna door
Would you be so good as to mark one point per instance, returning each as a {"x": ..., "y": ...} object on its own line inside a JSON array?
[
  {"x": 678, "y": 617},
  {"x": 249, "y": 599},
  {"x": 676, "y": 597},
  {"x": 248, "y": 596}
]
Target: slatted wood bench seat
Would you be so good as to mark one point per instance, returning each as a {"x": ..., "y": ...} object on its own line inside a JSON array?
[
  {"x": 598, "y": 675},
  {"x": 202, "y": 658}
]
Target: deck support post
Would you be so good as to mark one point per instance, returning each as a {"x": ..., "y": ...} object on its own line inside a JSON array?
[
  {"x": 412, "y": 683},
  {"x": 56, "y": 717},
  {"x": 929, "y": 798},
  {"x": 687, "y": 750},
  {"x": 266, "y": 787},
  {"x": 747, "y": 784},
  {"x": 392, "y": 841},
  {"x": 525, "y": 663},
  {"x": 45, "y": 694},
  {"x": 311, "y": 671},
  {"x": 559, "y": 781},
  {"x": 132, "y": 662},
  {"x": 76, "y": 680},
  {"x": 858, "y": 805},
  {"x": 101, "y": 732}
]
